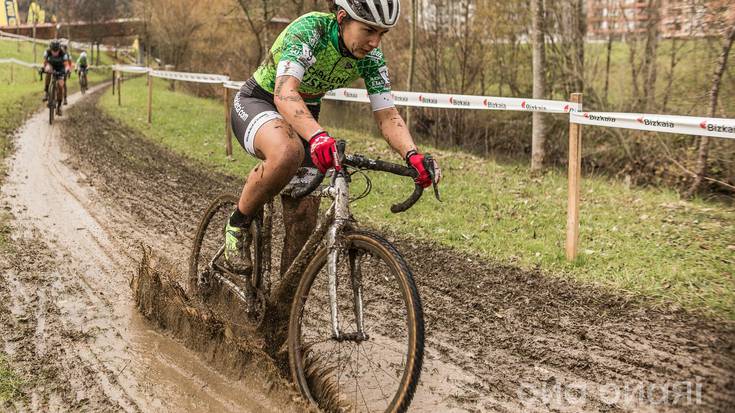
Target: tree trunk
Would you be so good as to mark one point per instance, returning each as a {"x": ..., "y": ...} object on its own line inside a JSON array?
[
  {"x": 649, "y": 58},
  {"x": 607, "y": 65},
  {"x": 538, "y": 134},
  {"x": 579, "y": 30},
  {"x": 673, "y": 61},
  {"x": 714, "y": 93},
  {"x": 412, "y": 58}
]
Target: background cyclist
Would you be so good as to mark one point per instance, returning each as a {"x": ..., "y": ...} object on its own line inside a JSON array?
[
  {"x": 81, "y": 66},
  {"x": 55, "y": 60}
]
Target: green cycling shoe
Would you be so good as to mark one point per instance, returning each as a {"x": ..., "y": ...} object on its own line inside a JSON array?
[{"x": 237, "y": 249}]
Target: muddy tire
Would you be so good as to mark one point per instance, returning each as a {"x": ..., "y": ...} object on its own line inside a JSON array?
[
  {"x": 198, "y": 258},
  {"x": 51, "y": 104},
  {"x": 389, "y": 294},
  {"x": 210, "y": 237}
]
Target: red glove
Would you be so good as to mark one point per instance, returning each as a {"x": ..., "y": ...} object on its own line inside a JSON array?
[
  {"x": 323, "y": 149},
  {"x": 416, "y": 160}
]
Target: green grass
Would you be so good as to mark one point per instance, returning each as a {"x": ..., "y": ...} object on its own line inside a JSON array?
[
  {"x": 636, "y": 241},
  {"x": 10, "y": 383}
]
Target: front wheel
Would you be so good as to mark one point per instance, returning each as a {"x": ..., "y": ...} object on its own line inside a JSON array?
[
  {"x": 375, "y": 371},
  {"x": 51, "y": 104}
]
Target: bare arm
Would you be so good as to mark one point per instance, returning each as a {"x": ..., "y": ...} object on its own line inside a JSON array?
[
  {"x": 394, "y": 130},
  {"x": 293, "y": 108}
]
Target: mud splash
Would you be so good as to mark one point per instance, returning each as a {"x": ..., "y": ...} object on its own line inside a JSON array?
[{"x": 162, "y": 301}]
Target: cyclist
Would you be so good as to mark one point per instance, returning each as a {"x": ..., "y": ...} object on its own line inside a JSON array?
[
  {"x": 55, "y": 60},
  {"x": 65, "y": 49},
  {"x": 81, "y": 63},
  {"x": 275, "y": 114}
]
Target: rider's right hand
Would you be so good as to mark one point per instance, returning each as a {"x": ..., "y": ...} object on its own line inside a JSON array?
[
  {"x": 417, "y": 161},
  {"x": 323, "y": 149}
]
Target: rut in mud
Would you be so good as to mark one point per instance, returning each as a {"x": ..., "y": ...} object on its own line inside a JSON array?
[
  {"x": 68, "y": 323},
  {"x": 498, "y": 338}
]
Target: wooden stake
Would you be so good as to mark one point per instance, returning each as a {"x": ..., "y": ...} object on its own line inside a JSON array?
[
  {"x": 11, "y": 72},
  {"x": 119, "y": 89},
  {"x": 114, "y": 79},
  {"x": 228, "y": 125},
  {"x": 150, "y": 98},
  {"x": 575, "y": 180}
]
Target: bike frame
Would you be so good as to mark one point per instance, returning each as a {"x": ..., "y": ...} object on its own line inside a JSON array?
[
  {"x": 333, "y": 224},
  {"x": 339, "y": 192}
]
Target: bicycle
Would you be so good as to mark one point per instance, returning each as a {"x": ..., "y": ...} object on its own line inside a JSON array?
[
  {"x": 374, "y": 311},
  {"x": 55, "y": 96},
  {"x": 83, "y": 81}
]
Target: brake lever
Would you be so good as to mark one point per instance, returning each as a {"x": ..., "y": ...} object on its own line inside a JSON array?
[{"x": 429, "y": 165}]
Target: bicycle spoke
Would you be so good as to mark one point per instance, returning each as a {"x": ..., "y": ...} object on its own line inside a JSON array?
[{"x": 369, "y": 360}]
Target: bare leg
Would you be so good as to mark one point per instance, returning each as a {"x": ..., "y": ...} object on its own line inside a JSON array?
[
  {"x": 299, "y": 221},
  {"x": 282, "y": 152}
]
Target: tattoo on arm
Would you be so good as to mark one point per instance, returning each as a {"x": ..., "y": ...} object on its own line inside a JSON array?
[{"x": 280, "y": 82}]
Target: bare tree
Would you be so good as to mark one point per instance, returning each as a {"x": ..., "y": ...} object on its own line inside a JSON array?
[
  {"x": 538, "y": 134},
  {"x": 412, "y": 56},
  {"x": 649, "y": 58},
  {"x": 714, "y": 94},
  {"x": 173, "y": 26}
]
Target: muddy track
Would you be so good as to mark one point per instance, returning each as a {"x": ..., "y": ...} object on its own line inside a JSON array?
[
  {"x": 67, "y": 315},
  {"x": 498, "y": 338}
]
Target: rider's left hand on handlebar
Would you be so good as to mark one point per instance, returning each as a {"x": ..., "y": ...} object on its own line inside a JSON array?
[
  {"x": 418, "y": 161},
  {"x": 323, "y": 150}
]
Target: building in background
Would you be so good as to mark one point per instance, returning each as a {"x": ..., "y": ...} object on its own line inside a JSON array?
[
  {"x": 9, "y": 14},
  {"x": 677, "y": 18}
]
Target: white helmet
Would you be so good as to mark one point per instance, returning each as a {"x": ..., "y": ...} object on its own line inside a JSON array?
[{"x": 380, "y": 13}]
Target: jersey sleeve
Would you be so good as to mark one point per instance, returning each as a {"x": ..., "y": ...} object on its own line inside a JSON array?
[
  {"x": 374, "y": 72},
  {"x": 298, "y": 47}
]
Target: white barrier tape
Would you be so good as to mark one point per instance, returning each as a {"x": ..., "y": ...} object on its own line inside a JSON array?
[
  {"x": 20, "y": 63},
  {"x": 190, "y": 77},
  {"x": 73, "y": 44},
  {"x": 233, "y": 85},
  {"x": 130, "y": 69},
  {"x": 685, "y": 125},
  {"x": 447, "y": 101}
]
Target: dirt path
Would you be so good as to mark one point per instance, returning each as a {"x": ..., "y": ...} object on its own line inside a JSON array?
[
  {"x": 66, "y": 310},
  {"x": 499, "y": 339}
]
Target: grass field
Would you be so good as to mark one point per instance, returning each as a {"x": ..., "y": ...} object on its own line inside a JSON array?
[
  {"x": 10, "y": 383},
  {"x": 636, "y": 241}
]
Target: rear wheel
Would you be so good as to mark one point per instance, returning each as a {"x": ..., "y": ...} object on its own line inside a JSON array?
[
  {"x": 206, "y": 262},
  {"x": 376, "y": 372}
]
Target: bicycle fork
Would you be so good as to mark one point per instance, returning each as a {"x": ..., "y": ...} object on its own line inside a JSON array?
[{"x": 339, "y": 192}]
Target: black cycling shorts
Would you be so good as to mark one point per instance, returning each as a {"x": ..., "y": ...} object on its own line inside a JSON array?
[{"x": 252, "y": 108}]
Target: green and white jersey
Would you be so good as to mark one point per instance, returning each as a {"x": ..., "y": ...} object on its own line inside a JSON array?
[
  {"x": 308, "y": 49},
  {"x": 82, "y": 60}
]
